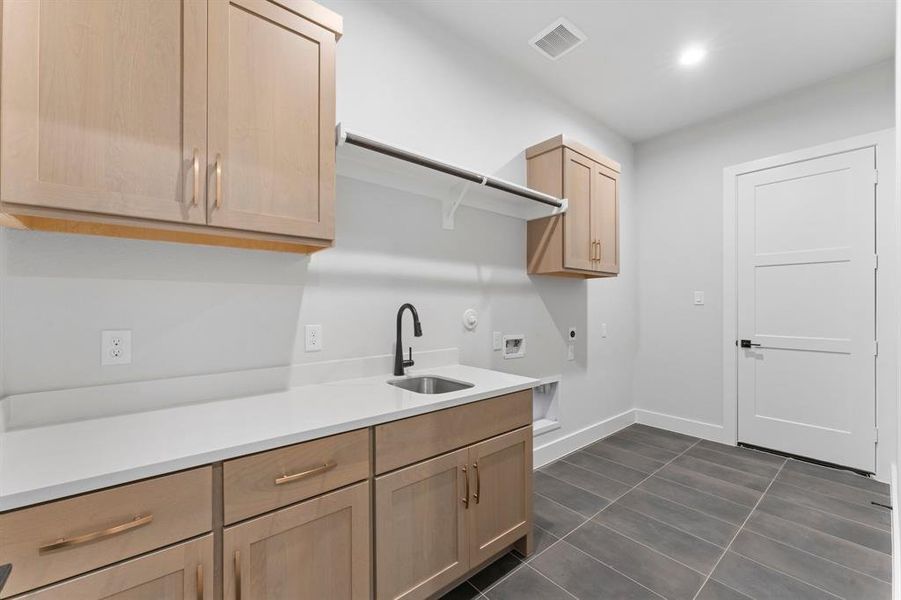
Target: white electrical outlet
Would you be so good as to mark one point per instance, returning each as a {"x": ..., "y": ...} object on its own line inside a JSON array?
[
  {"x": 603, "y": 330},
  {"x": 115, "y": 347},
  {"x": 313, "y": 338},
  {"x": 570, "y": 351},
  {"x": 699, "y": 298},
  {"x": 496, "y": 341}
]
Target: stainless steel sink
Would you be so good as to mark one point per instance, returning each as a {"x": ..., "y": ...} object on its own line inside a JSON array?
[{"x": 430, "y": 384}]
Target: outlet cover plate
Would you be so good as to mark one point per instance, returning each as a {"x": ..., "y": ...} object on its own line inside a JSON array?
[
  {"x": 115, "y": 347},
  {"x": 312, "y": 338}
]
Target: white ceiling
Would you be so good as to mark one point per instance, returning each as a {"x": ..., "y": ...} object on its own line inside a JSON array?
[{"x": 627, "y": 75}]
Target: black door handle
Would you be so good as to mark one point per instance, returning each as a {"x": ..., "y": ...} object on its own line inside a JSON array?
[{"x": 747, "y": 344}]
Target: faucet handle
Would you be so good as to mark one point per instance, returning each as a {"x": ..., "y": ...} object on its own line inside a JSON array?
[{"x": 409, "y": 362}]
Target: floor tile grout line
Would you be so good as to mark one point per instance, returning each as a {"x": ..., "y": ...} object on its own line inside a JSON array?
[
  {"x": 608, "y": 506},
  {"x": 505, "y": 577},
  {"x": 802, "y": 550},
  {"x": 679, "y": 529},
  {"x": 820, "y": 531},
  {"x": 722, "y": 466},
  {"x": 739, "y": 487},
  {"x": 709, "y": 494},
  {"x": 654, "y": 550},
  {"x": 753, "y": 458},
  {"x": 697, "y": 510},
  {"x": 826, "y": 479},
  {"x": 738, "y": 531},
  {"x": 565, "y": 591},
  {"x": 808, "y": 491},
  {"x": 789, "y": 575},
  {"x": 613, "y": 462},
  {"x": 593, "y": 472},
  {"x": 849, "y": 487},
  {"x": 581, "y": 488},
  {"x": 651, "y": 444},
  {"x": 830, "y": 513}
]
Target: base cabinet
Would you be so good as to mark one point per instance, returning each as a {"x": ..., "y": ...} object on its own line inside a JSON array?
[
  {"x": 309, "y": 551},
  {"x": 440, "y": 518},
  {"x": 182, "y": 572}
]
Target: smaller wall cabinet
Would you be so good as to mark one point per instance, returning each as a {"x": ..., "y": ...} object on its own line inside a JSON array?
[
  {"x": 440, "y": 519},
  {"x": 584, "y": 241},
  {"x": 199, "y": 121}
]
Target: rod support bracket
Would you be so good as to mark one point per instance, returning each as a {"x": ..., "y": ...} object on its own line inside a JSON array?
[{"x": 450, "y": 205}]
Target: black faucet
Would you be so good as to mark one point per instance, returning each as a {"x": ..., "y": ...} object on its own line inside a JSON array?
[{"x": 399, "y": 363}]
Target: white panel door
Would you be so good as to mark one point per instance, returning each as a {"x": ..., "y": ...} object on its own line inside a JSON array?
[{"x": 806, "y": 295}]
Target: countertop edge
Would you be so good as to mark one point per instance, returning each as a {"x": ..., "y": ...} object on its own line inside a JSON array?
[{"x": 67, "y": 489}]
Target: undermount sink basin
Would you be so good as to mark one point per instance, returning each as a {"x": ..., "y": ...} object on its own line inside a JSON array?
[{"x": 430, "y": 384}]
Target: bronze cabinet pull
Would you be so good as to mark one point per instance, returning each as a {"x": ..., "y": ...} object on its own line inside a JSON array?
[
  {"x": 63, "y": 543},
  {"x": 465, "y": 497},
  {"x": 308, "y": 473},
  {"x": 218, "y": 181},
  {"x": 237, "y": 575},
  {"x": 196, "y": 178},
  {"x": 200, "y": 582},
  {"x": 478, "y": 493}
]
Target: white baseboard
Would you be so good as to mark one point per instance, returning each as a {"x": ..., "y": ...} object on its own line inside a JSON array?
[
  {"x": 701, "y": 429},
  {"x": 560, "y": 447}
]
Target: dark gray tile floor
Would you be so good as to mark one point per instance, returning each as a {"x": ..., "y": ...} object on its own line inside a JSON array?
[{"x": 648, "y": 513}]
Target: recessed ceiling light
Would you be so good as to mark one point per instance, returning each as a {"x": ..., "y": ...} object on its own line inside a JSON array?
[{"x": 692, "y": 55}]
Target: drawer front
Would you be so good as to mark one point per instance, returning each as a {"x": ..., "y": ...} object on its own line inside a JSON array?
[
  {"x": 407, "y": 441},
  {"x": 60, "y": 539},
  {"x": 269, "y": 480}
]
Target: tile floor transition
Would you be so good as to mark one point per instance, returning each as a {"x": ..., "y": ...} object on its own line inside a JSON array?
[{"x": 648, "y": 513}]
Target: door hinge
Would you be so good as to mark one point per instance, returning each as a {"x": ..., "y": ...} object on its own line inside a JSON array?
[
  {"x": 876, "y": 434},
  {"x": 875, "y": 262},
  {"x": 876, "y": 348},
  {"x": 876, "y": 176}
]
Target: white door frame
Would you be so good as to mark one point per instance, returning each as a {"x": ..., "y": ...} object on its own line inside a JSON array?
[{"x": 887, "y": 292}]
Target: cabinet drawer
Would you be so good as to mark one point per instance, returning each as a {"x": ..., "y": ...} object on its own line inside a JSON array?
[
  {"x": 60, "y": 539},
  {"x": 407, "y": 441},
  {"x": 269, "y": 480},
  {"x": 182, "y": 572}
]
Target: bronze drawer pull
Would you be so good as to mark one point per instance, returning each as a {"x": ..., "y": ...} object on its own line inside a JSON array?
[
  {"x": 475, "y": 466},
  {"x": 196, "y": 178},
  {"x": 465, "y": 497},
  {"x": 62, "y": 543},
  {"x": 308, "y": 473},
  {"x": 218, "y": 180}
]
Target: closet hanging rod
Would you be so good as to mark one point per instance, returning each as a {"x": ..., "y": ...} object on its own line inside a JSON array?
[{"x": 346, "y": 137}]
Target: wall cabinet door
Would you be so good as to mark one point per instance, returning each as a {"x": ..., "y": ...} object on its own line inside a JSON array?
[
  {"x": 579, "y": 180},
  {"x": 313, "y": 550},
  {"x": 605, "y": 219},
  {"x": 501, "y": 501},
  {"x": 182, "y": 572},
  {"x": 271, "y": 120},
  {"x": 104, "y": 106},
  {"x": 421, "y": 527}
]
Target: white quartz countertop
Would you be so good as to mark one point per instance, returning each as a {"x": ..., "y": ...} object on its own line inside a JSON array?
[{"x": 54, "y": 461}]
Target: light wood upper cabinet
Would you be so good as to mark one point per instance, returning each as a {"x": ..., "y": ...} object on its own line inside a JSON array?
[
  {"x": 182, "y": 572},
  {"x": 197, "y": 121},
  {"x": 584, "y": 241},
  {"x": 104, "y": 106},
  {"x": 422, "y": 531},
  {"x": 501, "y": 505},
  {"x": 272, "y": 119},
  {"x": 309, "y": 551}
]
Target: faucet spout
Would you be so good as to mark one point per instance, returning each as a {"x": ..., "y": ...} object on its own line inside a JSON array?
[{"x": 399, "y": 363}]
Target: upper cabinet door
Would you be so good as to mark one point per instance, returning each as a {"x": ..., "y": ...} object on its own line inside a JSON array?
[
  {"x": 104, "y": 106},
  {"x": 605, "y": 220},
  {"x": 578, "y": 180},
  {"x": 271, "y": 120}
]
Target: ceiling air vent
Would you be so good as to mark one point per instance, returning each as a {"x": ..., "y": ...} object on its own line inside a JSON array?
[{"x": 557, "y": 39}]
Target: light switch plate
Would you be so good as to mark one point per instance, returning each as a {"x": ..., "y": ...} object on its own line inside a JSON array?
[
  {"x": 496, "y": 341},
  {"x": 115, "y": 347},
  {"x": 312, "y": 338},
  {"x": 699, "y": 298}
]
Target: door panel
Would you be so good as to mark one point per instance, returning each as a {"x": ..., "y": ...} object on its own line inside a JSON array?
[
  {"x": 502, "y": 469},
  {"x": 104, "y": 106},
  {"x": 312, "y": 550},
  {"x": 421, "y": 527},
  {"x": 605, "y": 220},
  {"x": 271, "y": 120},
  {"x": 182, "y": 572},
  {"x": 578, "y": 178},
  {"x": 806, "y": 294}
]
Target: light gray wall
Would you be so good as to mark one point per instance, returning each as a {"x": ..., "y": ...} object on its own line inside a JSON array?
[
  {"x": 679, "y": 364},
  {"x": 204, "y": 310}
]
